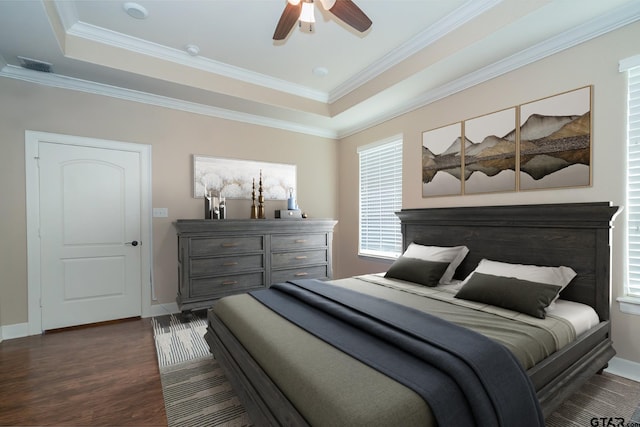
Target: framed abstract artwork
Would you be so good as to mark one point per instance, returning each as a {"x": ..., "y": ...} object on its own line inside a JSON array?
[
  {"x": 555, "y": 141},
  {"x": 234, "y": 179},
  {"x": 542, "y": 144},
  {"x": 490, "y": 153},
  {"x": 442, "y": 161}
]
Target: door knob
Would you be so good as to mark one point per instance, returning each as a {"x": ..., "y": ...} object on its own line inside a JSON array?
[{"x": 133, "y": 243}]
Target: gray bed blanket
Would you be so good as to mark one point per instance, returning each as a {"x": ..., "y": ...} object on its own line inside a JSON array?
[{"x": 466, "y": 378}]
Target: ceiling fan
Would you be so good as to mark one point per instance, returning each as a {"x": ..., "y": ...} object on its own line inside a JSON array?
[{"x": 296, "y": 10}]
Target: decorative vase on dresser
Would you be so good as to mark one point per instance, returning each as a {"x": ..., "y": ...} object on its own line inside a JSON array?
[{"x": 225, "y": 257}]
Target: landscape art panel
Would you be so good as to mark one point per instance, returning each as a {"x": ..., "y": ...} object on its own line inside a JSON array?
[
  {"x": 442, "y": 161},
  {"x": 490, "y": 153},
  {"x": 234, "y": 179},
  {"x": 555, "y": 141}
]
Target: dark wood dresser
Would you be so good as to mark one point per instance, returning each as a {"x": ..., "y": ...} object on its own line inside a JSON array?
[{"x": 224, "y": 257}]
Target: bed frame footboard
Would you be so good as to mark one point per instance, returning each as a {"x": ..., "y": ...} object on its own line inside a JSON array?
[{"x": 262, "y": 399}]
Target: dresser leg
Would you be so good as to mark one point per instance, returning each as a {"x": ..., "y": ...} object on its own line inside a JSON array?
[{"x": 186, "y": 316}]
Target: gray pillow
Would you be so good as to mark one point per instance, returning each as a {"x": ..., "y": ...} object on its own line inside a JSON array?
[
  {"x": 526, "y": 297},
  {"x": 452, "y": 255},
  {"x": 415, "y": 270}
]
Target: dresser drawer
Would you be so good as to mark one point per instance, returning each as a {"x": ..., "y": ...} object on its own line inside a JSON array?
[
  {"x": 226, "y": 265},
  {"x": 299, "y": 258},
  {"x": 219, "y": 286},
  {"x": 317, "y": 272},
  {"x": 297, "y": 241},
  {"x": 231, "y": 256},
  {"x": 225, "y": 245}
]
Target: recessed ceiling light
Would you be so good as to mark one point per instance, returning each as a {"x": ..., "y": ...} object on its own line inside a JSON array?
[
  {"x": 320, "y": 71},
  {"x": 192, "y": 49},
  {"x": 135, "y": 10}
]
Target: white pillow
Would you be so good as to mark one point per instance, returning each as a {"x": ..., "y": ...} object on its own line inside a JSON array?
[
  {"x": 453, "y": 255},
  {"x": 559, "y": 276}
]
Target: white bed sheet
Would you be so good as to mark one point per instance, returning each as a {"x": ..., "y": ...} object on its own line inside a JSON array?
[{"x": 581, "y": 316}]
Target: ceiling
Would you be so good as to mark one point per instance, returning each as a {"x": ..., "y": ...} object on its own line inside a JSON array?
[{"x": 417, "y": 51}]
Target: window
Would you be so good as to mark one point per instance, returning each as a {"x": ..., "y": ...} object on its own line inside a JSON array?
[
  {"x": 380, "y": 198},
  {"x": 633, "y": 178}
]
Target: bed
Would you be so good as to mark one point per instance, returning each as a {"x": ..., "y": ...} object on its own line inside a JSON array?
[{"x": 250, "y": 342}]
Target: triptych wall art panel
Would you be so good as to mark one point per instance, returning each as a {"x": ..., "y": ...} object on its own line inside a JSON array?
[
  {"x": 490, "y": 153},
  {"x": 442, "y": 161},
  {"x": 543, "y": 144}
]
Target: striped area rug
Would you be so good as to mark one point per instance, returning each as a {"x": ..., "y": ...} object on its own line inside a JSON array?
[
  {"x": 196, "y": 391},
  {"x": 178, "y": 341},
  {"x": 604, "y": 400}
]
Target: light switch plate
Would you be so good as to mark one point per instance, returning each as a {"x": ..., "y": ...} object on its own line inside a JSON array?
[{"x": 160, "y": 212}]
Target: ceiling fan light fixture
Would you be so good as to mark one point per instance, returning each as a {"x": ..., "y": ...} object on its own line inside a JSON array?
[
  {"x": 307, "y": 13},
  {"x": 301, "y": 12},
  {"x": 327, "y": 4}
]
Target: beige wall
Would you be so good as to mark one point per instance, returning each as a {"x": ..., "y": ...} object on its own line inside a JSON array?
[
  {"x": 592, "y": 63},
  {"x": 174, "y": 137}
]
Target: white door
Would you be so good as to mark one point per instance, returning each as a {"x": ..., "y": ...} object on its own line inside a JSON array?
[{"x": 89, "y": 234}]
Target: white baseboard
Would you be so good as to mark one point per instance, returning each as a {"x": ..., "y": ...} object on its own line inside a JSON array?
[
  {"x": 19, "y": 330},
  {"x": 162, "y": 309},
  {"x": 624, "y": 368}
]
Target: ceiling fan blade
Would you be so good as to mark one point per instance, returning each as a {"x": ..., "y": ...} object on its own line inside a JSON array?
[
  {"x": 351, "y": 14},
  {"x": 287, "y": 21}
]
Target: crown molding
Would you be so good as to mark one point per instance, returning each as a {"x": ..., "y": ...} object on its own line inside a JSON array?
[
  {"x": 119, "y": 40},
  {"x": 74, "y": 27},
  {"x": 69, "y": 18},
  {"x": 449, "y": 23},
  {"x": 65, "y": 82},
  {"x": 589, "y": 30}
]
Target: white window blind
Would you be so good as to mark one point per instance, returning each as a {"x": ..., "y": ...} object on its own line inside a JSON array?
[
  {"x": 380, "y": 198},
  {"x": 633, "y": 184}
]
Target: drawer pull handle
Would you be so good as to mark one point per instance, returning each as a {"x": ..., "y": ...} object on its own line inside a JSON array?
[
  {"x": 301, "y": 257},
  {"x": 229, "y": 245},
  {"x": 301, "y": 274},
  {"x": 229, "y": 264},
  {"x": 229, "y": 282},
  {"x": 301, "y": 241}
]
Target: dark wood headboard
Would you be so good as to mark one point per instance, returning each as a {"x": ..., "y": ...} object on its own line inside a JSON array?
[{"x": 573, "y": 234}]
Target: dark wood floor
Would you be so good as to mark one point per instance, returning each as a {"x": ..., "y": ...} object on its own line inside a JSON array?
[{"x": 104, "y": 375}]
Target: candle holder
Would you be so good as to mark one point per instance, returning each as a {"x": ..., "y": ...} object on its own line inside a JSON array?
[
  {"x": 261, "y": 213},
  {"x": 254, "y": 208}
]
